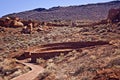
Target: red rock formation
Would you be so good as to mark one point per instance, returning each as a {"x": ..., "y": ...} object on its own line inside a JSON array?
[
  {"x": 16, "y": 23},
  {"x": 5, "y": 22},
  {"x": 113, "y": 16}
]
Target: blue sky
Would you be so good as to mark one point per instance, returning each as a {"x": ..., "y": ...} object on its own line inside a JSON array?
[{"x": 13, "y": 6}]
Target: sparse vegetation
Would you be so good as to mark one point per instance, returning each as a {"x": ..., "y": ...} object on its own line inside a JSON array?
[{"x": 79, "y": 49}]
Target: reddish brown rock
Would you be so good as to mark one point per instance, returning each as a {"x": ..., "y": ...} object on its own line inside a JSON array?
[{"x": 114, "y": 15}]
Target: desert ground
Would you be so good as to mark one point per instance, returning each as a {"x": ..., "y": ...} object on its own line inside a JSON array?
[{"x": 61, "y": 52}]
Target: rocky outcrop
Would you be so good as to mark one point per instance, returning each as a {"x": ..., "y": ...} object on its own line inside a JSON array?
[
  {"x": 114, "y": 15},
  {"x": 11, "y": 22},
  {"x": 28, "y": 26}
]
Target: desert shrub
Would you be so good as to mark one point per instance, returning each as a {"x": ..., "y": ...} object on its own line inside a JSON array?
[{"x": 43, "y": 75}]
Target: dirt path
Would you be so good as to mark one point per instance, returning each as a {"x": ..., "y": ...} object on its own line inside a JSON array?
[{"x": 31, "y": 75}]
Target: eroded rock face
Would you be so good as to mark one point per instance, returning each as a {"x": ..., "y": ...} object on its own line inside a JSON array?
[
  {"x": 11, "y": 22},
  {"x": 5, "y": 22},
  {"x": 114, "y": 15},
  {"x": 15, "y": 23}
]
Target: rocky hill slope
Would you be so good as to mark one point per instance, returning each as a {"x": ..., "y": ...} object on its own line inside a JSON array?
[{"x": 93, "y": 12}]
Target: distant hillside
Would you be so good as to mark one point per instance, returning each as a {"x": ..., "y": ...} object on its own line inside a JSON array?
[{"x": 83, "y": 12}]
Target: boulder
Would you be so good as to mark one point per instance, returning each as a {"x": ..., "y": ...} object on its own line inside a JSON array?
[{"x": 16, "y": 23}]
